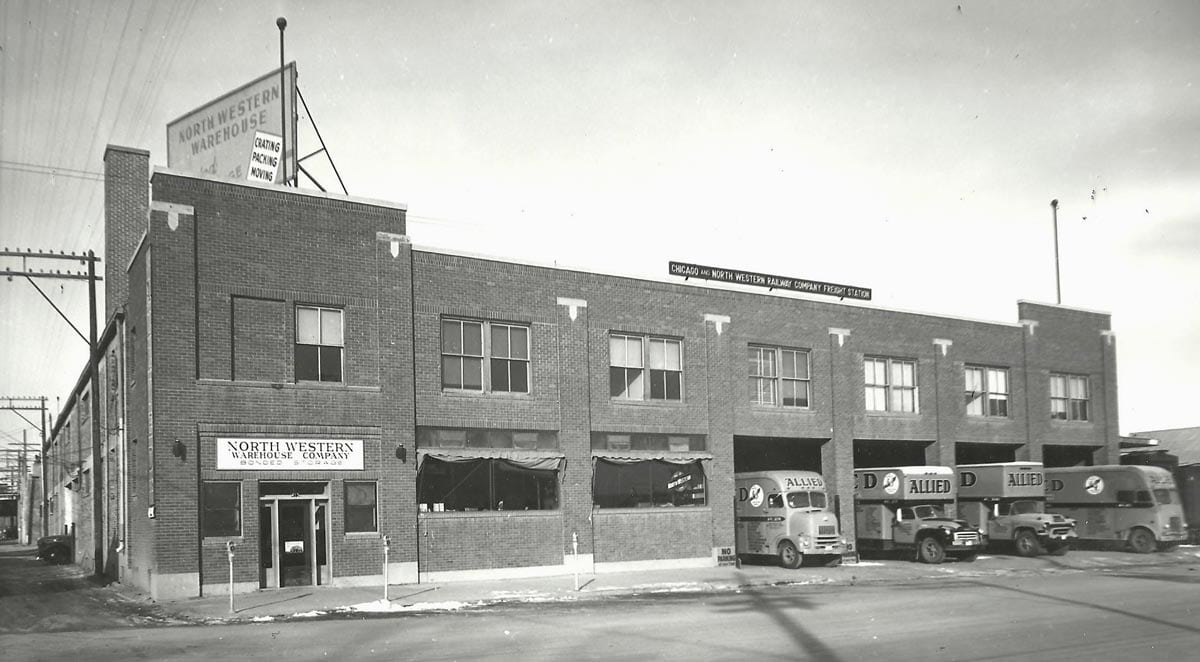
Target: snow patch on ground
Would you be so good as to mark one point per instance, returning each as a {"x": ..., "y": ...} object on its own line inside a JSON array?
[
  {"x": 309, "y": 614},
  {"x": 262, "y": 619},
  {"x": 386, "y": 606}
]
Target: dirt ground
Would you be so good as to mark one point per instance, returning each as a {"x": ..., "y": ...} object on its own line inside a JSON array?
[{"x": 38, "y": 597}]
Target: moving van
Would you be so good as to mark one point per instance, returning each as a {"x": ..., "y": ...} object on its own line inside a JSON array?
[
  {"x": 904, "y": 508},
  {"x": 786, "y": 514},
  {"x": 1136, "y": 505},
  {"x": 1008, "y": 501}
]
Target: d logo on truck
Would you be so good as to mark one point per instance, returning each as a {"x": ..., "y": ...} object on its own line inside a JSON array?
[
  {"x": 754, "y": 495},
  {"x": 967, "y": 478}
]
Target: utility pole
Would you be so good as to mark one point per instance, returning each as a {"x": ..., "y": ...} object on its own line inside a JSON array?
[{"x": 29, "y": 273}]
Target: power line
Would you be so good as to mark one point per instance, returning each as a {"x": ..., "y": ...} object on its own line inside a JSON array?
[{"x": 54, "y": 171}]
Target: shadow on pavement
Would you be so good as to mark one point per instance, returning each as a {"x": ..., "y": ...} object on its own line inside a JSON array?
[{"x": 1081, "y": 603}]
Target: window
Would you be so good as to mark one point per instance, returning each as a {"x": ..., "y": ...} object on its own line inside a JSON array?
[
  {"x": 629, "y": 358},
  {"x": 779, "y": 377},
  {"x": 360, "y": 507},
  {"x": 318, "y": 344},
  {"x": 222, "y": 503},
  {"x": 1069, "y": 397},
  {"x": 478, "y": 484},
  {"x": 986, "y": 391},
  {"x": 647, "y": 483},
  {"x": 617, "y": 441},
  {"x": 464, "y": 351},
  {"x": 480, "y": 438},
  {"x": 890, "y": 385}
]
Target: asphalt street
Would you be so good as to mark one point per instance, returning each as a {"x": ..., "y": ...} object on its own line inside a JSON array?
[{"x": 1113, "y": 612}]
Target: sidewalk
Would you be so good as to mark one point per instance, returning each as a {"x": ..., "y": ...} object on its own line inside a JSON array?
[{"x": 311, "y": 601}]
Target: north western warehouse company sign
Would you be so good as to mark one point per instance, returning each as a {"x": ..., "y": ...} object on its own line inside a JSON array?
[
  {"x": 289, "y": 454},
  {"x": 767, "y": 280}
]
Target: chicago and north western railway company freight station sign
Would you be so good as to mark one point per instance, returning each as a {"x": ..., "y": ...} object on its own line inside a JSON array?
[{"x": 688, "y": 270}]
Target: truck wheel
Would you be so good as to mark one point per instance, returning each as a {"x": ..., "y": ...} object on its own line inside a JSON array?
[
  {"x": 1141, "y": 541},
  {"x": 1027, "y": 544},
  {"x": 788, "y": 556},
  {"x": 930, "y": 550}
]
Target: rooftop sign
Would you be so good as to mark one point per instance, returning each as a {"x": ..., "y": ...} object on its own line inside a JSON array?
[
  {"x": 688, "y": 270},
  {"x": 218, "y": 138}
]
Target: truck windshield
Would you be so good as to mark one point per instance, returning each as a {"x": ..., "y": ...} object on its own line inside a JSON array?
[
  {"x": 1026, "y": 507},
  {"x": 928, "y": 511},
  {"x": 1164, "y": 496},
  {"x": 806, "y": 500}
]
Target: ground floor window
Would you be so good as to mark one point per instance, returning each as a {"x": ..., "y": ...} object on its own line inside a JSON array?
[
  {"x": 620, "y": 483},
  {"x": 360, "y": 507},
  {"x": 222, "y": 509},
  {"x": 485, "y": 483}
]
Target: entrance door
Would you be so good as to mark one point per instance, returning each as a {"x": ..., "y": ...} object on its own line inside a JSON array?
[
  {"x": 296, "y": 550},
  {"x": 293, "y": 523}
]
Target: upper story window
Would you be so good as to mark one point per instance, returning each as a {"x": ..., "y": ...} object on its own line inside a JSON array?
[
  {"x": 1069, "y": 397},
  {"x": 319, "y": 344},
  {"x": 986, "y": 391},
  {"x": 465, "y": 345},
  {"x": 890, "y": 384},
  {"x": 636, "y": 360},
  {"x": 779, "y": 377}
]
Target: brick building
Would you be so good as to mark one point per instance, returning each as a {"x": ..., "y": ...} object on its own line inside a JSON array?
[{"x": 291, "y": 375}]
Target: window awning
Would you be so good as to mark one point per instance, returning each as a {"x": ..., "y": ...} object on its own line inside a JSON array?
[
  {"x": 529, "y": 459},
  {"x": 671, "y": 457}
]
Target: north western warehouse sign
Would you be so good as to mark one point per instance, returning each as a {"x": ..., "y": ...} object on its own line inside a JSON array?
[
  {"x": 236, "y": 454},
  {"x": 224, "y": 136},
  {"x": 688, "y": 270}
]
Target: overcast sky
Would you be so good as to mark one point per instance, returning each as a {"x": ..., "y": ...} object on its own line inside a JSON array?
[{"x": 909, "y": 147}]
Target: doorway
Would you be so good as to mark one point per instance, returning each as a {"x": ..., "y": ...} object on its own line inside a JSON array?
[{"x": 293, "y": 534}]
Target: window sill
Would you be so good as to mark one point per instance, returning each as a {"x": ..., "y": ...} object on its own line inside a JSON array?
[
  {"x": 754, "y": 406},
  {"x": 650, "y": 509},
  {"x": 894, "y": 414},
  {"x": 289, "y": 386},
  {"x": 982, "y": 419},
  {"x": 361, "y": 535},
  {"x": 648, "y": 403},
  {"x": 462, "y": 514},
  {"x": 222, "y": 540},
  {"x": 1059, "y": 421},
  {"x": 468, "y": 393}
]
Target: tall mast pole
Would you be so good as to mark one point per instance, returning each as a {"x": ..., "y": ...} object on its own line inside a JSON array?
[
  {"x": 1057, "y": 277},
  {"x": 282, "y": 23}
]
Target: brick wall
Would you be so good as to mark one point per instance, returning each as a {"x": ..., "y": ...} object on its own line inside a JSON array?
[{"x": 465, "y": 541}]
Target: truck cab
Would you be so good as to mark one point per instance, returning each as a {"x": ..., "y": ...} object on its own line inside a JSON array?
[
  {"x": 785, "y": 514},
  {"x": 1008, "y": 501},
  {"x": 904, "y": 508}
]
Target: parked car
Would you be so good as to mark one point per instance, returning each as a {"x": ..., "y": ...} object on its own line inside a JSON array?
[{"x": 56, "y": 549}]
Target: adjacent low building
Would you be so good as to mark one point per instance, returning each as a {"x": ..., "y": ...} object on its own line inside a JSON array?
[{"x": 289, "y": 378}]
